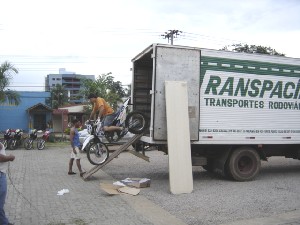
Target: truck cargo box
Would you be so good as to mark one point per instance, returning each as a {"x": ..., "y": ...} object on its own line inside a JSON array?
[{"x": 233, "y": 98}]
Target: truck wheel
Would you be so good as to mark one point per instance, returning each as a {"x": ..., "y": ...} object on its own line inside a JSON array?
[
  {"x": 244, "y": 164},
  {"x": 138, "y": 146}
]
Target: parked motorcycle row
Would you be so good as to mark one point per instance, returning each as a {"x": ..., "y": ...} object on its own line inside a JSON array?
[{"x": 14, "y": 138}]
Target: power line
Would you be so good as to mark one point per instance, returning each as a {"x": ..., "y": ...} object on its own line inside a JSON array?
[
  {"x": 26, "y": 86},
  {"x": 211, "y": 38}
]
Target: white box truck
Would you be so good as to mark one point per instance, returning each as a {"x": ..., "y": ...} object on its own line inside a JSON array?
[{"x": 243, "y": 108}]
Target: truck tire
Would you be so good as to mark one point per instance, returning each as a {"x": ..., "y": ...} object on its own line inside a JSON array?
[
  {"x": 138, "y": 146},
  {"x": 244, "y": 164}
]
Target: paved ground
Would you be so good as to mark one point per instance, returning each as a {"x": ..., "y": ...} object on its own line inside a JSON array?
[{"x": 36, "y": 176}]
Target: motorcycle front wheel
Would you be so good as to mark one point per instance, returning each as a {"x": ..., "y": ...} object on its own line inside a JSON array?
[
  {"x": 12, "y": 144},
  {"x": 97, "y": 153},
  {"x": 136, "y": 122},
  {"x": 28, "y": 143},
  {"x": 40, "y": 144},
  {"x": 4, "y": 142}
]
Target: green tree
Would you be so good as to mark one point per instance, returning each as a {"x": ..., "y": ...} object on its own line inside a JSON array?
[
  {"x": 105, "y": 87},
  {"x": 59, "y": 96},
  {"x": 7, "y": 70},
  {"x": 252, "y": 49}
]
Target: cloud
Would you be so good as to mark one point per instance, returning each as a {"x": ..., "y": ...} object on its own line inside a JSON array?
[{"x": 95, "y": 37}]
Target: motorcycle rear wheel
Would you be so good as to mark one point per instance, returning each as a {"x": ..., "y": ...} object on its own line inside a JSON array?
[
  {"x": 136, "y": 122},
  {"x": 97, "y": 153},
  {"x": 40, "y": 144}
]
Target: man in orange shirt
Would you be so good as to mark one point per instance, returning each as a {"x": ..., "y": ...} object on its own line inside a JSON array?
[{"x": 105, "y": 111}]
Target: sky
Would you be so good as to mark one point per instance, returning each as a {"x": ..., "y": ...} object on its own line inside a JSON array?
[{"x": 95, "y": 37}]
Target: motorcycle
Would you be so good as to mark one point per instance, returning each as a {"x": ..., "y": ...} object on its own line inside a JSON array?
[
  {"x": 16, "y": 140},
  {"x": 9, "y": 134},
  {"x": 28, "y": 143},
  {"x": 97, "y": 151},
  {"x": 41, "y": 141}
]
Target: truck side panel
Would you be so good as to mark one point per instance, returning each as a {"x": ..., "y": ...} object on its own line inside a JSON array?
[{"x": 244, "y": 101}]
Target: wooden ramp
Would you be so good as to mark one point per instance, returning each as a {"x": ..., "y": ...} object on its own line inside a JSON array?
[{"x": 112, "y": 156}]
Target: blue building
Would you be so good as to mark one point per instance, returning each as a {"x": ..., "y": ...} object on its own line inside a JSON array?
[{"x": 33, "y": 112}]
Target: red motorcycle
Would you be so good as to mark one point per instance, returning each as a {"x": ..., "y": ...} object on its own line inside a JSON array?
[{"x": 41, "y": 141}]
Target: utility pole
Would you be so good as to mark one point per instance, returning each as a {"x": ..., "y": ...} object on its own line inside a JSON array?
[{"x": 171, "y": 34}]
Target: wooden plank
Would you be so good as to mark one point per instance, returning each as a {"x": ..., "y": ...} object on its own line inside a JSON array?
[{"x": 178, "y": 133}]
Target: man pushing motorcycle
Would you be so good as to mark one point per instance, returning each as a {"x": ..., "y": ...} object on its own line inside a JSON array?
[{"x": 104, "y": 111}]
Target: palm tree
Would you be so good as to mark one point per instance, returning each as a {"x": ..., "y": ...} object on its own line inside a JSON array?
[{"x": 6, "y": 72}]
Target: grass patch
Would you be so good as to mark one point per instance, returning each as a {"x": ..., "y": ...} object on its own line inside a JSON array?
[
  {"x": 79, "y": 222},
  {"x": 58, "y": 144}
]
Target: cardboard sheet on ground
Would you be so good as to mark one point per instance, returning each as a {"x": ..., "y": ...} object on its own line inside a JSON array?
[
  {"x": 112, "y": 189},
  {"x": 127, "y": 186},
  {"x": 129, "y": 190}
]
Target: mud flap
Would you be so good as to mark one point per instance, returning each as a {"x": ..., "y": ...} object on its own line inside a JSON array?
[{"x": 219, "y": 165}]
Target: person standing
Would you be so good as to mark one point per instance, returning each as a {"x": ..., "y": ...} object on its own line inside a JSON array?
[
  {"x": 4, "y": 160},
  {"x": 75, "y": 144}
]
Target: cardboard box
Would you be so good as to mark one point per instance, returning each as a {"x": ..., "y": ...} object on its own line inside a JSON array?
[{"x": 137, "y": 182}]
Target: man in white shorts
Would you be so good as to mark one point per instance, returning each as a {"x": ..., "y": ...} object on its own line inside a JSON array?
[{"x": 75, "y": 143}]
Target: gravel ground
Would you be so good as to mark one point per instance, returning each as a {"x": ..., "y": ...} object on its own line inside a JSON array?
[{"x": 216, "y": 200}]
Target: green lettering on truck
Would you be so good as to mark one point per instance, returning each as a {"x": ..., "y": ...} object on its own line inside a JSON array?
[
  {"x": 290, "y": 95},
  {"x": 255, "y": 89},
  {"x": 267, "y": 86},
  {"x": 212, "y": 85},
  {"x": 296, "y": 95},
  {"x": 277, "y": 90},
  {"x": 241, "y": 87},
  {"x": 227, "y": 87}
]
